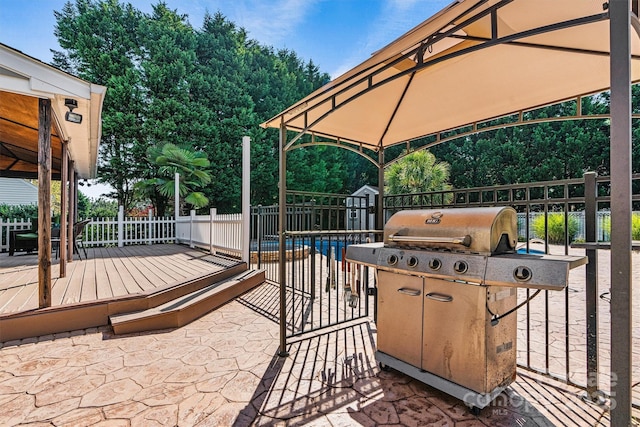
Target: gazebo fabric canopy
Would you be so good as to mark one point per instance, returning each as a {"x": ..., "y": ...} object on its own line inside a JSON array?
[
  {"x": 475, "y": 60},
  {"x": 24, "y": 80}
]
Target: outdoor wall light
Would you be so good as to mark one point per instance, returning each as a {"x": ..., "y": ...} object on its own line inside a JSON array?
[{"x": 70, "y": 116}]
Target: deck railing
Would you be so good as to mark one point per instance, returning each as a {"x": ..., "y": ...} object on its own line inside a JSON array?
[{"x": 218, "y": 233}]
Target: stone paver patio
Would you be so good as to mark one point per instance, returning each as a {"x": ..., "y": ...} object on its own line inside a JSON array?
[{"x": 223, "y": 370}]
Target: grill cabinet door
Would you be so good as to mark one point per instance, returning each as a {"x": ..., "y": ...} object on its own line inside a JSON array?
[
  {"x": 454, "y": 332},
  {"x": 400, "y": 316}
]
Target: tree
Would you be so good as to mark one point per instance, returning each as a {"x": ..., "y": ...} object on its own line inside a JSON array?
[
  {"x": 192, "y": 167},
  {"x": 100, "y": 42},
  {"x": 418, "y": 172}
]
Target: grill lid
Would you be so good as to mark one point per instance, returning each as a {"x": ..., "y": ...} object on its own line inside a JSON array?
[{"x": 488, "y": 231}]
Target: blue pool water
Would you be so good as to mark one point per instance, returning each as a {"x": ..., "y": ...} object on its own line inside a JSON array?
[{"x": 531, "y": 251}]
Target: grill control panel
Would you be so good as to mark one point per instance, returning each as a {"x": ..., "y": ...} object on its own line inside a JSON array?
[
  {"x": 439, "y": 264},
  {"x": 549, "y": 272}
]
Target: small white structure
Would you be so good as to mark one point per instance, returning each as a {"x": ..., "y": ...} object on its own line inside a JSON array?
[
  {"x": 361, "y": 208},
  {"x": 18, "y": 192}
]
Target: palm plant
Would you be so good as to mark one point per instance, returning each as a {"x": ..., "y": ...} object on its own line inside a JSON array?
[
  {"x": 192, "y": 166},
  {"x": 418, "y": 172}
]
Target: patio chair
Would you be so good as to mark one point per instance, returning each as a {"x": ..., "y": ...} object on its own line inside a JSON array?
[
  {"x": 55, "y": 240},
  {"x": 24, "y": 240},
  {"x": 78, "y": 230}
]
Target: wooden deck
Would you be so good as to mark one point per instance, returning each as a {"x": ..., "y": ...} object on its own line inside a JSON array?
[
  {"x": 110, "y": 281},
  {"x": 107, "y": 273}
]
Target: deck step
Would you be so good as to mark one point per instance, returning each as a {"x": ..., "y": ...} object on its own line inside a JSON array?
[{"x": 184, "y": 309}]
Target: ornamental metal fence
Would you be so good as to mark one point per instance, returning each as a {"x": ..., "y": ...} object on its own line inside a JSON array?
[
  {"x": 320, "y": 288},
  {"x": 562, "y": 334}
]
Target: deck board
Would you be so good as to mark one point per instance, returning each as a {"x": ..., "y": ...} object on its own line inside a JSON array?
[
  {"x": 179, "y": 264},
  {"x": 105, "y": 274},
  {"x": 27, "y": 299},
  {"x": 132, "y": 284},
  {"x": 111, "y": 274},
  {"x": 150, "y": 266},
  {"x": 129, "y": 265},
  {"x": 74, "y": 286}
]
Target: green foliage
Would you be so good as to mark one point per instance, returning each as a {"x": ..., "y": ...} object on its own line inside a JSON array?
[
  {"x": 635, "y": 226},
  {"x": 102, "y": 208},
  {"x": 84, "y": 206},
  {"x": 194, "y": 174},
  {"x": 18, "y": 211},
  {"x": 316, "y": 169},
  {"x": 537, "y": 152},
  {"x": 556, "y": 227},
  {"x": 418, "y": 172}
]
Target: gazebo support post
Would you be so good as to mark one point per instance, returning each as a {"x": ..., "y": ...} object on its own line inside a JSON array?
[
  {"x": 282, "y": 225},
  {"x": 380, "y": 207},
  {"x": 44, "y": 203},
  {"x": 620, "y": 160}
]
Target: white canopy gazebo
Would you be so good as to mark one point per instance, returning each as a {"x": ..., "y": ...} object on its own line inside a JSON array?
[{"x": 478, "y": 60}]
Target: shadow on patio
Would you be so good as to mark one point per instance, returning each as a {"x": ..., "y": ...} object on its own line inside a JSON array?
[
  {"x": 223, "y": 369},
  {"x": 332, "y": 378}
]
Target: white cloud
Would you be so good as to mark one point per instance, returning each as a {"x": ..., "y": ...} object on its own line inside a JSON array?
[{"x": 272, "y": 22}]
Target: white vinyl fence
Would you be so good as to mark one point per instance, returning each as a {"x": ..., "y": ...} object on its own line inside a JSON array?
[
  {"x": 123, "y": 230},
  {"x": 216, "y": 233}
]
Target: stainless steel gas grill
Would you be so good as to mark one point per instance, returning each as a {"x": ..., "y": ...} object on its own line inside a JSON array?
[{"x": 447, "y": 288}]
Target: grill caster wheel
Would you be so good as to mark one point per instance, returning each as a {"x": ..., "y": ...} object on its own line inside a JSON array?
[{"x": 384, "y": 367}]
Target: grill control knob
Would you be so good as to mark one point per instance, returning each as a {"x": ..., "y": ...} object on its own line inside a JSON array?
[
  {"x": 392, "y": 260},
  {"x": 435, "y": 264},
  {"x": 412, "y": 262},
  {"x": 460, "y": 267},
  {"x": 522, "y": 274}
]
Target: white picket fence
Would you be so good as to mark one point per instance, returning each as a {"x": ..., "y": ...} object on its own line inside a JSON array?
[
  {"x": 123, "y": 231},
  {"x": 213, "y": 232}
]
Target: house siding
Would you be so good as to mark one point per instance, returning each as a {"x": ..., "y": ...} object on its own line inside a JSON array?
[{"x": 17, "y": 192}]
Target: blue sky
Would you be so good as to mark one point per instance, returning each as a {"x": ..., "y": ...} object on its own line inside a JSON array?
[{"x": 335, "y": 34}]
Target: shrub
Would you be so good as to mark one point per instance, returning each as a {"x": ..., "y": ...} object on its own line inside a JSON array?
[
  {"x": 635, "y": 227},
  {"x": 18, "y": 211},
  {"x": 556, "y": 227}
]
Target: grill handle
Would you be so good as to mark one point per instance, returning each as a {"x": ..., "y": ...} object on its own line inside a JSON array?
[
  {"x": 410, "y": 292},
  {"x": 439, "y": 297},
  {"x": 464, "y": 241}
]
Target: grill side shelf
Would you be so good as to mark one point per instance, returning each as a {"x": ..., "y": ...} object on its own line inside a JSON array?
[
  {"x": 548, "y": 272},
  {"x": 365, "y": 254}
]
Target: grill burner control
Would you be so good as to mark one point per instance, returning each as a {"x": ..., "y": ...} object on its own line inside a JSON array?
[
  {"x": 392, "y": 260},
  {"x": 412, "y": 262},
  {"x": 522, "y": 274},
  {"x": 435, "y": 264},
  {"x": 460, "y": 267}
]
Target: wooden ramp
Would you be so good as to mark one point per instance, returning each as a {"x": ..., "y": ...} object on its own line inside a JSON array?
[
  {"x": 180, "y": 311},
  {"x": 192, "y": 294}
]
